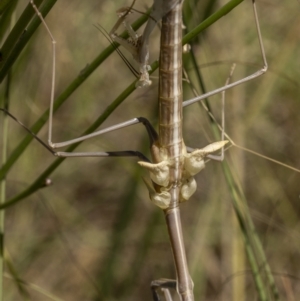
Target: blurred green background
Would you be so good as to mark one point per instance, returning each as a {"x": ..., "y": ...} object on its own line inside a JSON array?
[{"x": 94, "y": 234}]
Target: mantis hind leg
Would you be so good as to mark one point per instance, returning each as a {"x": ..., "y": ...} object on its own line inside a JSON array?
[{"x": 163, "y": 285}]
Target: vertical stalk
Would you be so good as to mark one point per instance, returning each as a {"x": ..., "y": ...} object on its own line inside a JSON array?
[
  {"x": 3, "y": 185},
  {"x": 170, "y": 137},
  {"x": 3, "y": 181}
]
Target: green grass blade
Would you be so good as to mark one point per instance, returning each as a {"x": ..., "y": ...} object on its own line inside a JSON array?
[{"x": 20, "y": 35}]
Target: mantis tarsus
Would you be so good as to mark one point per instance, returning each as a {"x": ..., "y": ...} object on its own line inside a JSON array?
[{"x": 98, "y": 153}]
